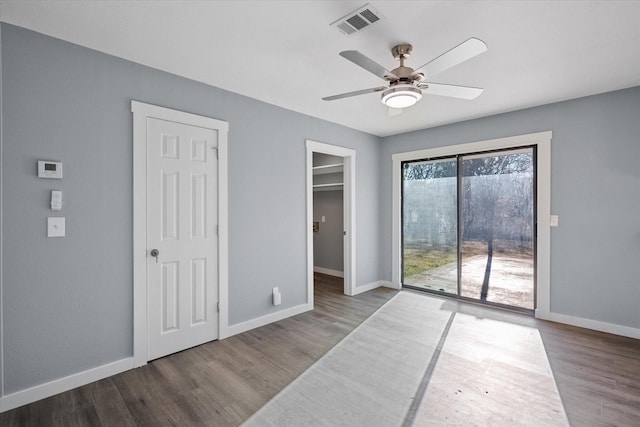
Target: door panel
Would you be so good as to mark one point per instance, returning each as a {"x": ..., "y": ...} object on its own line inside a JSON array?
[
  {"x": 497, "y": 228},
  {"x": 199, "y": 206},
  {"x": 169, "y": 210},
  {"x": 198, "y": 291},
  {"x": 429, "y": 230},
  {"x": 169, "y": 296},
  {"x": 182, "y": 288}
]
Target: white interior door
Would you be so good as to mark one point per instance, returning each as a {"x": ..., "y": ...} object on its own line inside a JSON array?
[{"x": 182, "y": 240}]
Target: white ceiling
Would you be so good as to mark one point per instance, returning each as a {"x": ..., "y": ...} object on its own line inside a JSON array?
[{"x": 285, "y": 53}]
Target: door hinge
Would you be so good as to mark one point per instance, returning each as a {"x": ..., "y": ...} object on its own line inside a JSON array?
[{"x": 218, "y": 306}]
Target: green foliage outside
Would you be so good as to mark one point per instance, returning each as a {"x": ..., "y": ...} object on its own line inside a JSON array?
[{"x": 418, "y": 260}]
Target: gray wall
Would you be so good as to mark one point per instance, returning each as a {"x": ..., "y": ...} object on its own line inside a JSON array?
[
  {"x": 328, "y": 242},
  {"x": 595, "y": 189},
  {"x": 68, "y": 301}
]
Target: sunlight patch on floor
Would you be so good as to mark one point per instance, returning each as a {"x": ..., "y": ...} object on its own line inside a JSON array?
[
  {"x": 491, "y": 372},
  {"x": 423, "y": 360}
]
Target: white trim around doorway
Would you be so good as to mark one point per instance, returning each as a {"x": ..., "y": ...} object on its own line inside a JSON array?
[
  {"x": 542, "y": 140},
  {"x": 141, "y": 112},
  {"x": 349, "y": 206}
]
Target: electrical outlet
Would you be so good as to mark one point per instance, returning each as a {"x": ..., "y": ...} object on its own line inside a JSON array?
[
  {"x": 55, "y": 227},
  {"x": 277, "y": 297}
]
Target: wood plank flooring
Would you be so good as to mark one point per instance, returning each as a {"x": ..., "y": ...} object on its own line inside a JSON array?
[
  {"x": 224, "y": 382},
  {"x": 598, "y": 374},
  {"x": 220, "y": 383}
]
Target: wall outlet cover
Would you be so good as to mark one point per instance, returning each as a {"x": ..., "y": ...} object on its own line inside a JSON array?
[
  {"x": 56, "y": 226},
  {"x": 277, "y": 297}
]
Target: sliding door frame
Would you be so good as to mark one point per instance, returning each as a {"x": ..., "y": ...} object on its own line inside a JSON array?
[
  {"x": 542, "y": 142},
  {"x": 458, "y": 159}
]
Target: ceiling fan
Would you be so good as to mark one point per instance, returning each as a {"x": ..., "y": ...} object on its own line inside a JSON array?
[{"x": 406, "y": 85}]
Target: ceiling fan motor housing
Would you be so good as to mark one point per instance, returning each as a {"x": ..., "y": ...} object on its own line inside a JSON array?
[{"x": 403, "y": 73}]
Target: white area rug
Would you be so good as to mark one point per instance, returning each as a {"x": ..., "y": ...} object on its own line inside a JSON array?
[{"x": 396, "y": 368}]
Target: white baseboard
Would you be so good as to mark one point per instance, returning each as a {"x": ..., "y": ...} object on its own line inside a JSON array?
[
  {"x": 373, "y": 285},
  {"x": 329, "y": 272},
  {"x": 596, "y": 325},
  {"x": 265, "y": 320},
  {"x": 364, "y": 288},
  {"x": 60, "y": 385},
  {"x": 391, "y": 285}
]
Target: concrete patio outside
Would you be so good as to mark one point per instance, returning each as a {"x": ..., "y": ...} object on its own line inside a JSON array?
[{"x": 510, "y": 282}]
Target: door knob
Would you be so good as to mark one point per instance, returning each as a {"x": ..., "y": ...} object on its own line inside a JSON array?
[{"x": 155, "y": 253}]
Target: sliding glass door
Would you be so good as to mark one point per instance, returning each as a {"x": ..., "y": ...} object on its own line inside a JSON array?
[
  {"x": 429, "y": 225},
  {"x": 468, "y": 226}
]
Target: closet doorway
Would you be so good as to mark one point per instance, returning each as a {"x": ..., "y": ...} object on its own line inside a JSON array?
[{"x": 330, "y": 213}]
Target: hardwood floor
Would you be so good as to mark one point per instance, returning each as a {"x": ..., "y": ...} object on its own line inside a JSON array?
[
  {"x": 224, "y": 382},
  {"x": 216, "y": 384},
  {"x": 598, "y": 374}
]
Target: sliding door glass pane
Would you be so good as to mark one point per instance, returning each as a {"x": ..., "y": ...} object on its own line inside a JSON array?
[
  {"x": 429, "y": 225},
  {"x": 497, "y": 228}
]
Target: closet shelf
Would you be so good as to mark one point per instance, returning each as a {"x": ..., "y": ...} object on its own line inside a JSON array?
[
  {"x": 328, "y": 187},
  {"x": 325, "y": 169}
]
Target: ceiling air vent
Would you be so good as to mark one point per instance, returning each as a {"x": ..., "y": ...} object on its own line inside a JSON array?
[{"x": 357, "y": 20}]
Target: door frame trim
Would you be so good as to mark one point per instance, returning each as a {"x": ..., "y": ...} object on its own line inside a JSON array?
[
  {"x": 542, "y": 140},
  {"x": 141, "y": 112},
  {"x": 349, "y": 208}
]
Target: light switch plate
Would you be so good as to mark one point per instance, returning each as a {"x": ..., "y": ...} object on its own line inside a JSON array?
[
  {"x": 56, "y": 200},
  {"x": 55, "y": 226},
  {"x": 553, "y": 221}
]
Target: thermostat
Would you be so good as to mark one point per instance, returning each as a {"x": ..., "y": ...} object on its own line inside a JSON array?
[{"x": 48, "y": 169}]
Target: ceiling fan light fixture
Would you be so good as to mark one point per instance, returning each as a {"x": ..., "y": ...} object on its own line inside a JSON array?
[{"x": 401, "y": 96}]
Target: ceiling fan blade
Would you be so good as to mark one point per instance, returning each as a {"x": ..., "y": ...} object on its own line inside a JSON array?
[
  {"x": 355, "y": 93},
  {"x": 464, "y": 51},
  {"x": 368, "y": 64},
  {"x": 463, "y": 92}
]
